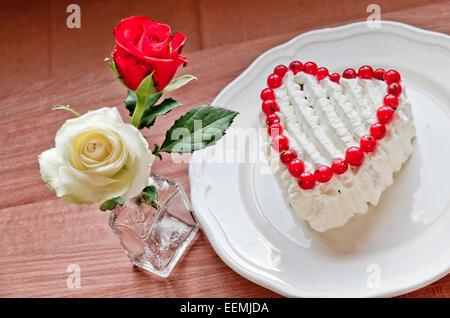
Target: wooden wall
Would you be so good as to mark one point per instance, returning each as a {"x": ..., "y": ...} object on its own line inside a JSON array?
[{"x": 37, "y": 45}]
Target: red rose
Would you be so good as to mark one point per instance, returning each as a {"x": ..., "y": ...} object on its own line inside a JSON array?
[{"x": 144, "y": 46}]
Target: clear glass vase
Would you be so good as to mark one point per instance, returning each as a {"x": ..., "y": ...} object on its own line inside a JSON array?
[{"x": 156, "y": 233}]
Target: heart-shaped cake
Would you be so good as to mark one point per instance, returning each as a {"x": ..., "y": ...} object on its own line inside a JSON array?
[{"x": 334, "y": 141}]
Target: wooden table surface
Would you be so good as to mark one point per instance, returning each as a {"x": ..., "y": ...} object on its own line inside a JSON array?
[{"x": 40, "y": 235}]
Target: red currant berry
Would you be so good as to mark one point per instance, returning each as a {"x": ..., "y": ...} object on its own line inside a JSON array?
[
  {"x": 296, "y": 67},
  {"x": 365, "y": 72},
  {"x": 267, "y": 93},
  {"x": 349, "y": 73},
  {"x": 321, "y": 73},
  {"x": 391, "y": 101},
  {"x": 269, "y": 106},
  {"x": 335, "y": 77},
  {"x": 368, "y": 143},
  {"x": 280, "y": 70},
  {"x": 354, "y": 156},
  {"x": 379, "y": 74},
  {"x": 296, "y": 167},
  {"x": 280, "y": 142},
  {"x": 377, "y": 131},
  {"x": 275, "y": 130},
  {"x": 323, "y": 173},
  {"x": 272, "y": 119},
  {"x": 339, "y": 166},
  {"x": 306, "y": 180},
  {"x": 310, "y": 68},
  {"x": 274, "y": 81},
  {"x": 287, "y": 156},
  {"x": 391, "y": 76},
  {"x": 394, "y": 89},
  {"x": 385, "y": 114}
]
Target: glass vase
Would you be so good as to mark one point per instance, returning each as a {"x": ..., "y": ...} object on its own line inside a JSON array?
[{"x": 156, "y": 231}]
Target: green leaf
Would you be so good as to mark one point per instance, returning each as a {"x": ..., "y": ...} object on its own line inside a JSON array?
[
  {"x": 131, "y": 100},
  {"x": 146, "y": 88},
  {"x": 156, "y": 152},
  {"x": 197, "y": 129},
  {"x": 150, "y": 196},
  {"x": 179, "y": 82},
  {"x": 150, "y": 113},
  {"x": 111, "y": 203},
  {"x": 151, "y": 191}
]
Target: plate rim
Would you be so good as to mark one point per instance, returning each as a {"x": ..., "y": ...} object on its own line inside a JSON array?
[{"x": 235, "y": 261}]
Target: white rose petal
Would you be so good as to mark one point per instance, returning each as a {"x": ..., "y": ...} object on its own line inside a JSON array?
[{"x": 97, "y": 157}]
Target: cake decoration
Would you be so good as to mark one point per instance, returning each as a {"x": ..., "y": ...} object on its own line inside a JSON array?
[{"x": 334, "y": 140}]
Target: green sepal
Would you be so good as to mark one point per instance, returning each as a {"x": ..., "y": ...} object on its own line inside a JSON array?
[
  {"x": 113, "y": 66},
  {"x": 146, "y": 88},
  {"x": 66, "y": 107},
  {"x": 179, "y": 82}
]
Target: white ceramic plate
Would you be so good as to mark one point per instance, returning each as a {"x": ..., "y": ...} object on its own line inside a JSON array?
[{"x": 400, "y": 245}]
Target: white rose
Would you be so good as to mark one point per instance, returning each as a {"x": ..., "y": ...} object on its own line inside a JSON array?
[{"x": 97, "y": 157}]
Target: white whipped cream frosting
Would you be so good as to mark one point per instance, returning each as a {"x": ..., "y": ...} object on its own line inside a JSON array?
[{"x": 321, "y": 121}]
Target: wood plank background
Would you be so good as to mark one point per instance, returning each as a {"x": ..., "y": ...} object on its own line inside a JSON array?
[{"x": 43, "y": 63}]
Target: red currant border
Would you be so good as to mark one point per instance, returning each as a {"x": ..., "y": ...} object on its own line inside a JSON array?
[{"x": 354, "y": 156}]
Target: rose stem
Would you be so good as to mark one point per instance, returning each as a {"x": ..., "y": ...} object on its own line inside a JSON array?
[{"x": 139, "y": 110}]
